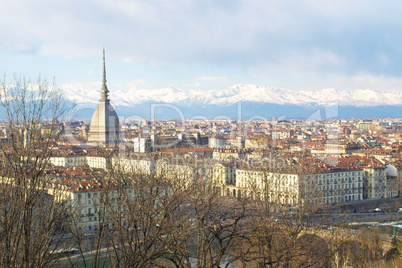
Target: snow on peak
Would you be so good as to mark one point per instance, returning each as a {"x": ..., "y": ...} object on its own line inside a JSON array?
[{"x": 237, "y": 93}]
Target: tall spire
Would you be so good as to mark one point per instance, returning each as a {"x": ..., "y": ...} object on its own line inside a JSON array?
[
  {"x": 104, "y": 90},
  {"x": 104, "y": 68}
]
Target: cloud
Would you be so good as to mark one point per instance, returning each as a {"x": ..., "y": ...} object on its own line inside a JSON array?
[
  {"x": 141, "y": 84},
  {"x": 259, "y": 76},
  {"x": 212, "y": 78},
  {"x": 190, "y": 86},
  {"x": 380, "y": 83},
  {"x": 297, "y": 37}
]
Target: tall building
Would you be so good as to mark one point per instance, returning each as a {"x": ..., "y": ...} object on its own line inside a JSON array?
[
  {"x": 104, "y": 128},
  {"x": 142, "y": 145},
  {"x": 217, "y": 142}
]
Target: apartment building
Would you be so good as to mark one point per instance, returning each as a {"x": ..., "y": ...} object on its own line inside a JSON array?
[
  {"x": 322, "y": 187},
  {"x": 374, "y": 176},
  {"x": 224, "y": 177}
]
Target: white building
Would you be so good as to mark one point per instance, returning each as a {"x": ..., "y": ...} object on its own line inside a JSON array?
[
  {"x": 224, "y": 178},
  {"x": 69, "y": 160},
  {"x": 217, "y": 142},
  {"x": 142, "y": 145},
  {"x": 319, "y": 187},
  {"x": 88, "y": 199},
  {"x": 99, "y": 161},
  {"x": 135, "y": 165}
]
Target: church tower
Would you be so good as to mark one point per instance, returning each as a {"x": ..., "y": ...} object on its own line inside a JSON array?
[{"x": 104, "y": 128}]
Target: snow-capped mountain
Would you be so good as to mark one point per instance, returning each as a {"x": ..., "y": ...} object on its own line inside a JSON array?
[{"x": 237, "y": 93}]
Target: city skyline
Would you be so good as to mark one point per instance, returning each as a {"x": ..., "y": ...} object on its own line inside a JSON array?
[{"x": 226, "y": 133}]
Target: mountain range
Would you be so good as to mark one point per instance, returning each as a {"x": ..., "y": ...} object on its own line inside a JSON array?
[{"x": 269, "y": 100}]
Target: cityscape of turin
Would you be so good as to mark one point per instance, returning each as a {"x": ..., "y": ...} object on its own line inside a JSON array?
[{"x": 188, "y": 134}]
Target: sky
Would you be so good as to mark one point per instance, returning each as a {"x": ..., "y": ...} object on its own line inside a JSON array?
[{"x": 209, "y": 44}]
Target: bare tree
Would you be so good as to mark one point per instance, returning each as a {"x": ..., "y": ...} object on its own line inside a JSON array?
[
  {"x": 137, "y": 215},
  {"x": 29, "y": 218},
  {"x": 220, "y": 228}
]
